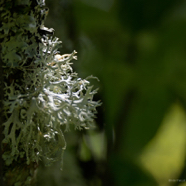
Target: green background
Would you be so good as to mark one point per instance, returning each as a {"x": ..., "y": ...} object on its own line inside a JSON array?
[{"x": 137, "y": 49}]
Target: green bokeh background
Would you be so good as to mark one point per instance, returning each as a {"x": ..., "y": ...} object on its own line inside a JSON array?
[{"x": 137, "y": 49}]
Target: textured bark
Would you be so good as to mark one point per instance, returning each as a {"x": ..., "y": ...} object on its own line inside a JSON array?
[
  {"x": 1, "y": 120},
  {"x": 18, "y": 18}
]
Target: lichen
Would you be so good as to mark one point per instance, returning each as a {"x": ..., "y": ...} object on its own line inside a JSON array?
[{"x": 41, "y": 92}]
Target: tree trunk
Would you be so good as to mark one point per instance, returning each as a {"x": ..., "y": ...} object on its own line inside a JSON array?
[{"x": 20, "y": 36}]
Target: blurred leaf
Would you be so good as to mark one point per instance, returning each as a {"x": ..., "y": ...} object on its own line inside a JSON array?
[
  {"x": 140, "y": 14},
  {"x": 164, "y": 156},
  {"x": 129, "y": 173}
]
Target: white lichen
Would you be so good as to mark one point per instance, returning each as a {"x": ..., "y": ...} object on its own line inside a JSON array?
[{"x": 42, "y": 93}]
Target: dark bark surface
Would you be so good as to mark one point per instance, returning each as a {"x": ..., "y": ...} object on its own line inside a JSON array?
[{"x": 13, "y": 24}]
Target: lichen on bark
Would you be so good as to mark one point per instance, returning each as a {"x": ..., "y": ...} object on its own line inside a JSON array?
[{"x": 41, "y": 91}]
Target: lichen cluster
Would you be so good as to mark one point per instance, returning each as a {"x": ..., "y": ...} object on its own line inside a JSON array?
[{"x": 41, "y": 92}]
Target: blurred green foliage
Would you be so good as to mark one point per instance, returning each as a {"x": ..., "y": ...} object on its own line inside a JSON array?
[{"x": 137, "y": 50}]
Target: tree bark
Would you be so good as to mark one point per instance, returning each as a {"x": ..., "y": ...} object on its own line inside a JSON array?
[{"x": 20, "y": 35}]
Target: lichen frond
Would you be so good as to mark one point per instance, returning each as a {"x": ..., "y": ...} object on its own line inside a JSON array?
[{"x": 42, "y": 93}]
